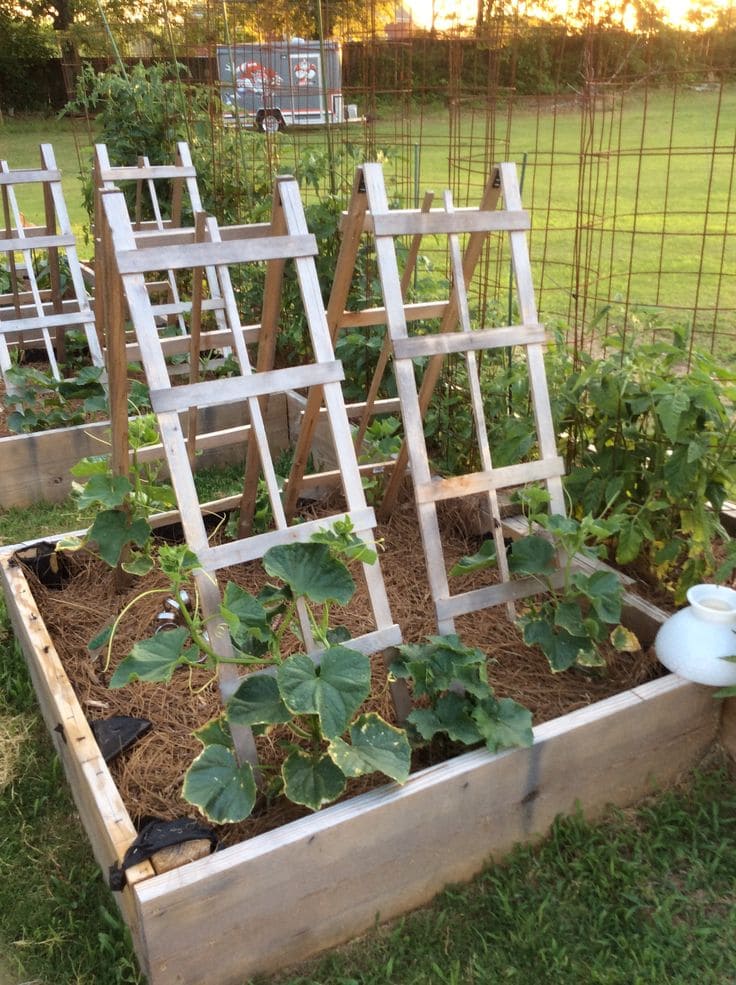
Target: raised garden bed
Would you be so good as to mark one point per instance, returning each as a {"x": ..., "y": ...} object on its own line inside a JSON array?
[
  {"x": 36, "y": 466},
  {"x": 285, "y": 894}
]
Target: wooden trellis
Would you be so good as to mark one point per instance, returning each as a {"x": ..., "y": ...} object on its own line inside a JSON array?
[
  {"x": 31, "y": 314},
  {"x": 290, "y": 242},
  {"x": 184, "y": 198},
  {"x": 369, "y": 212},
  {"x": 189, "y": 340}
]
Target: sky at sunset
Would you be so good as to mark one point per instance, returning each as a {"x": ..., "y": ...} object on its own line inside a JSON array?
[{"x": 449, "y": 12}]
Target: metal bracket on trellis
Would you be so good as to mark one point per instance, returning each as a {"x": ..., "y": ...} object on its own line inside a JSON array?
[
  {"x": 289, "y": 241},
  {"x": 32, "y": 314},
  {"x": 369, "y": 212}
]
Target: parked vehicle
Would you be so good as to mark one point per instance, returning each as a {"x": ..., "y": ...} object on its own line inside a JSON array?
[{"x": 283, "y": 83}]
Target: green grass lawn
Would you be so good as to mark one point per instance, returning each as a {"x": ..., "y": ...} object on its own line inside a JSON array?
[{"x": 19, "y": 146}]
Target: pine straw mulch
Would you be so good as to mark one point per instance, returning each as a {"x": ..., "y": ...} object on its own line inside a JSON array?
[{"x": 150, "y": 774}]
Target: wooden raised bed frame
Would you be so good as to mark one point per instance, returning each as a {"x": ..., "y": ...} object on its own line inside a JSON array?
[{"x": 283, "y": 896}]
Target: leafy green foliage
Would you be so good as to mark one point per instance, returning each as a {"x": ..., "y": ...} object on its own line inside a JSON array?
[
  {"x": 224, "y": 791},
  {"x": 42, "y": 402},
  {"x": 650, "y": 442},
  {"x": 461, "y": 703},
  {"x": 120, "y": 532},
  {"x": 571, "y": 621},
  {"x": 310, "y": 570},
  {"x": 316, "y": 703}
]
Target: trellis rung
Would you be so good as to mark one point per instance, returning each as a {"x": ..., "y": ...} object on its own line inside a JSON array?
[
  {"x": 226, "y": 391},
  {"x": 46, "y": 321},
  {"x": 506, "y": 591},
  {"x": 215, "y": 254},
  {"x": 422, "y": 310},
  {"x": 21, "y": 243},
  {"x": 445, "y": 343},
  {"x": 253, "y": 548},
  {"x": 136, "y": 172},
  {"x": 479, "y": 482},
  {"x": 21, "y": 177},
  {"x": 400, "y": 222}
]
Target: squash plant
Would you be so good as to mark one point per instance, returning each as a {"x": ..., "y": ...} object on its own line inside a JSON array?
[
  {"x": 570, "y": 622},
  {"x": 459, "y": 703},
  {"x": 316, "y": 705},
  {"x": 41, "y": 402},
  {"x": 121, "y": 532}
]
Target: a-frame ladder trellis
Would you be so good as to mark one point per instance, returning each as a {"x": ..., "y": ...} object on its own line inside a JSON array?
[
  {"x": 30, "y": 312},
  {"x": 296, "y": 244},
  {"x": 369, "y": 212},
  {"x": 154, "y": 232}
]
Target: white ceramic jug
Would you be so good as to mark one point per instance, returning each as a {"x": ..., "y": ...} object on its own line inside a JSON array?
[{"x": 694, "y": 641}]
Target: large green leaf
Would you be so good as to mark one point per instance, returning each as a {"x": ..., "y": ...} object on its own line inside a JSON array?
[
  {"x": 312, "y": 781},
  {"x": 483, "y": 558},
  {"x": 155, "y": 659},
  {"x": 504, "y": 723},
  {"x": 334, "y": 690},
  {"x": 224, "y": 791},
  {"x": 630, "y": 540},
  {"x": 375, "y": 746},
  {"x": 215, "y": 732},
  {"x": 257, "y": 701},
  {"x": 452, "y": 715},
  {"x": 436, "y": 664},
  {"x": 670, "y": 409},
  {"x": 560, "y": 649},
  {"x": 106, "y": 490},
  {"x": 112, "y": 530},
  {"x": 604, "y": 591},
  {"x": 568, "y": 616},
  {"x": 533, "y": 555},
  {"x": 311, "y": 571},
  {"x": 247, "y": 620}
]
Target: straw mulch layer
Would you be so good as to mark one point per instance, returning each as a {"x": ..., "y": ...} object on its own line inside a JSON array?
[{"x": 150, "y": 774}]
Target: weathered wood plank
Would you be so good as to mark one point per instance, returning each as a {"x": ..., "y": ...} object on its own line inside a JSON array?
[
  {"x": 39, "y": 243},
  {"x": 727, "y": 736},
  {"x": 33, "y": 323},
  {"x": 480, "y": 338},
  {"x": 407, "y": 222},
  {"x": 470, "y": 809},
  {"x": 501, "y": 478},
  {"x": 254, "y": 547},
  {"x": 35, "y": 467},
  {"x": 106, "y": 820},
  {"x": 25, "y": 176},
  {"x": 245, "y": 387},
  {"x": 368, "y": 317},
  {"x": 214, "y": 254}
]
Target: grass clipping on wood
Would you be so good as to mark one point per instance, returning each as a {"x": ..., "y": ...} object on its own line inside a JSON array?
[{"x": 150, "y": 774}]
